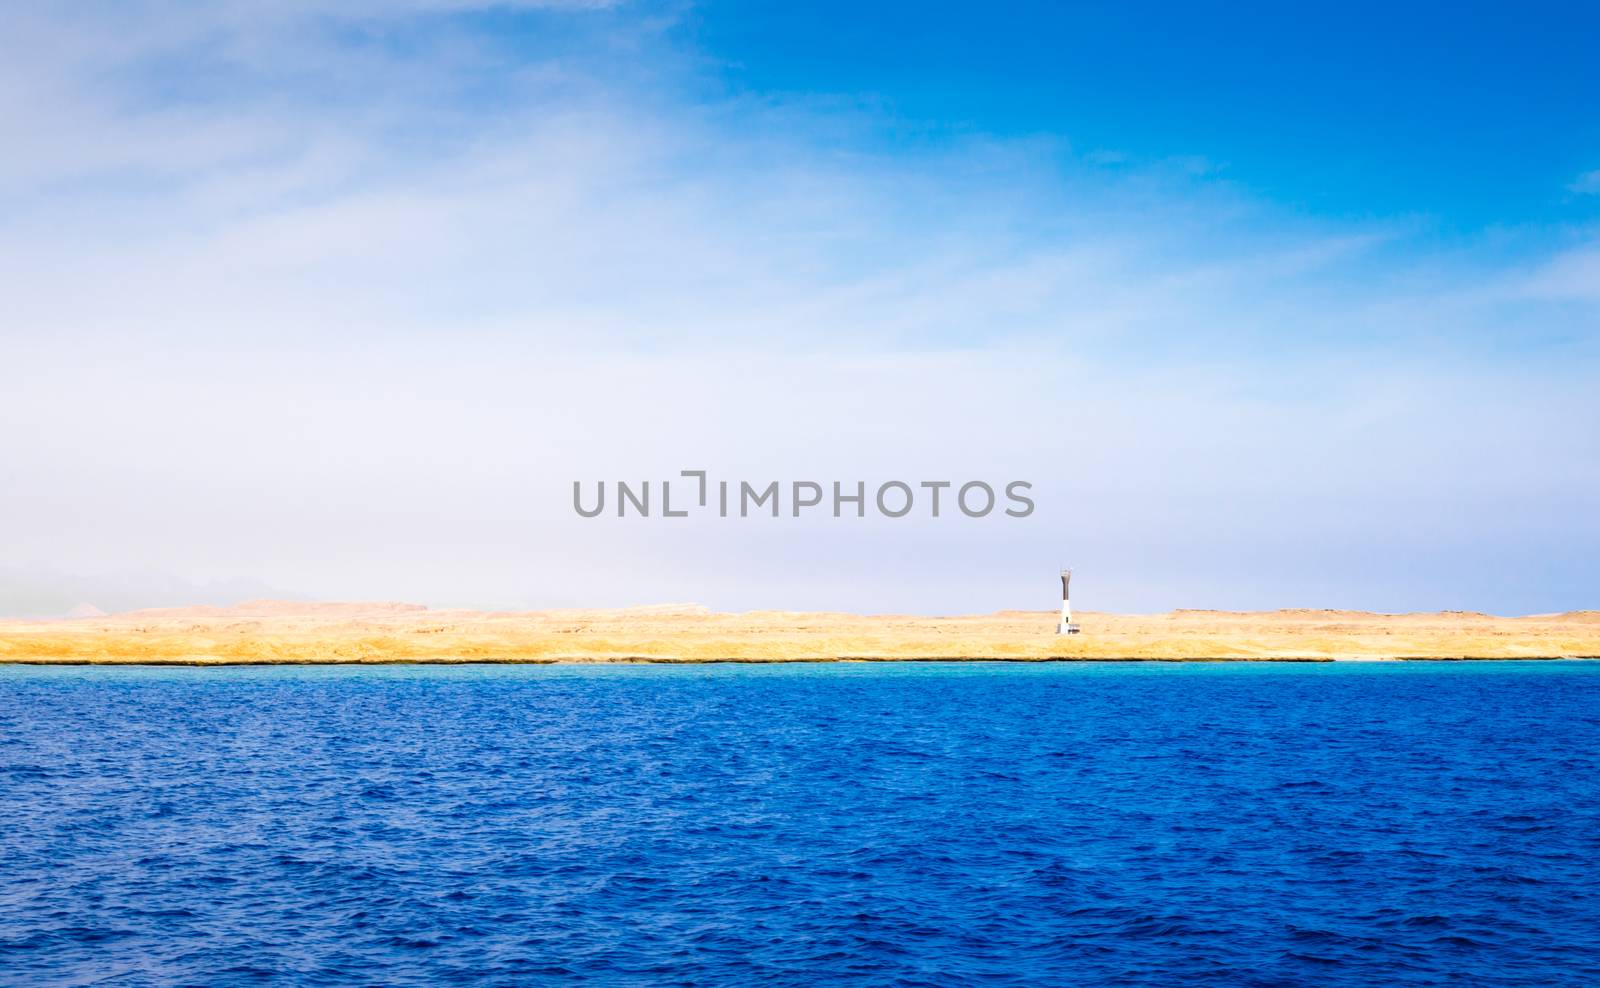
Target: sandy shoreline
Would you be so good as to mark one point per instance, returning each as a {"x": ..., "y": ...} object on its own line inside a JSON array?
[{"x": 276, "y": 632}]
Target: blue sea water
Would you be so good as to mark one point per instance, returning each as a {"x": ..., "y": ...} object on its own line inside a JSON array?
[{"x": 906, "y": 824}]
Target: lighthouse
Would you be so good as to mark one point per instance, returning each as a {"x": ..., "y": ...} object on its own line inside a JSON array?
[{"x": 1066, "y": 627}]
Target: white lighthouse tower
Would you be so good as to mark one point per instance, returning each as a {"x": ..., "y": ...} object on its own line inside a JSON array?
[{"x": 1066, "y": 627}]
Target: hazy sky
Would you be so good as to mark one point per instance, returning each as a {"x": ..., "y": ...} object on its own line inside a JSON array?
[{"x": 337, "y": 301}]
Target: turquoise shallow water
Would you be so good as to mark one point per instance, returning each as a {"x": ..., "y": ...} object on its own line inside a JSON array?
[{"x": 1160, "y": 824}]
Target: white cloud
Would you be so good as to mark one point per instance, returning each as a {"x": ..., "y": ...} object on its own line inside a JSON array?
[{"x": 1571, "y": 275}]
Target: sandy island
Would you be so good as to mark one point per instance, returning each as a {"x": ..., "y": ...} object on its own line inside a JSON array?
[{"x": 295, "y": 632}]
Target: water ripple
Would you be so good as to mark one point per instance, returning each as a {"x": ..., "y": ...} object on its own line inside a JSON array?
[{"x": 927, "y": 824}]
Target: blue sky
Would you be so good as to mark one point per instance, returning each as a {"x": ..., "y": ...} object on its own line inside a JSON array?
[
  {"x": 1465, "y": 115},
  {"x": 336, "y": 301}
]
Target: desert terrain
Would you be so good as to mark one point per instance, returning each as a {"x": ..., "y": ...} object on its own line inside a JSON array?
[{"x": 296, "y": 632}]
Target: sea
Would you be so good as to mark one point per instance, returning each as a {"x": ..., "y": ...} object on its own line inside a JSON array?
[{"x": 1164, "y": 824}]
